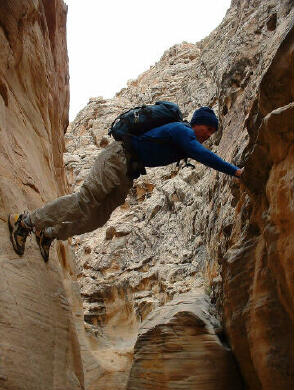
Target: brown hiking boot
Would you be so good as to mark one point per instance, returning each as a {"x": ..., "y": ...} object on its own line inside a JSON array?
[
  {"x": 19, "y": 230},
  {"x": 44, "y": 243}
]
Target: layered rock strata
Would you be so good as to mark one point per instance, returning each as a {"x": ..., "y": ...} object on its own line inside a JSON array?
[
  {"x": 177, "y": 347},
  {"x": 259, "y": 313},
  {"x": 39, "y": 303},
  {"x": 178, "y": 227}
]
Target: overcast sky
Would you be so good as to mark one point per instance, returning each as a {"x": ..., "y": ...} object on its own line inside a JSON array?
[{"x": 113, "y": 41}]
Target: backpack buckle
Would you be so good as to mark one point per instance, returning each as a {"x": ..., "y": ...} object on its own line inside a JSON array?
[{"x": 136, "y": 116}]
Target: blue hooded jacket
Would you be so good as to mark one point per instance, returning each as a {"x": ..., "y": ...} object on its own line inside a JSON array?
[{"x": 172, "y": 142}]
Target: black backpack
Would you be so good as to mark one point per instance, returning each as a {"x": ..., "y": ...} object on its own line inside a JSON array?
[{"x": 139, "y": 120}]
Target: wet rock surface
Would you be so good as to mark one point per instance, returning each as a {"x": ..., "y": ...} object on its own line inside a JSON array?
[{"x": 186, "y": 229}]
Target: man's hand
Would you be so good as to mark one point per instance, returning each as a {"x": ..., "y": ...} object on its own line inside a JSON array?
[{"x": 239, "y": 172}]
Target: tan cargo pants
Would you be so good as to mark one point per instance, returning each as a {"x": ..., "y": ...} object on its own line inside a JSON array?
[{"x": 104, "y": 189}]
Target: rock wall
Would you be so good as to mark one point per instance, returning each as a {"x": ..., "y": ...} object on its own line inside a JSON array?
[
  {"x": 190, "y": 283},
  {"x": 39, "y": 303},
  {"x": 177, "y": 348},
  {"x": 187, "y": 230},
  {"x": 259, "y": 312}
]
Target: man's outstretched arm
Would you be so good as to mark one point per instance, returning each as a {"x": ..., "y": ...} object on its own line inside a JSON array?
[{"x": 194, "y": 149}]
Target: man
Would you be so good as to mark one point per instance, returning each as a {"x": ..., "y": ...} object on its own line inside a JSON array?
[{"x": 111, "y": 177}]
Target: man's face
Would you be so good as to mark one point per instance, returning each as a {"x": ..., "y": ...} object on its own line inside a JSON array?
[{"x": 203, "y": 132}]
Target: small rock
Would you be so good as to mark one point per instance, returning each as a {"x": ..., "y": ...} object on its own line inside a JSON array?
[
  {"x": 87, "y": 249},
  {"x": 104, "y": 142},
  {"x": 110, "y": 232}
]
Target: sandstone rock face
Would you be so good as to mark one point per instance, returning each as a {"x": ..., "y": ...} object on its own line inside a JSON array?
[
  {"x": 39, "y": 348},
  {"x": 177, "y": 348},
  {"x": 179, "y": 228},
  {"x": 259, "y": 314}
]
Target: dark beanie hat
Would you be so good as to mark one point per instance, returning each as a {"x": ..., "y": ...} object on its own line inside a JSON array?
[{"x": 204, "y": 116}]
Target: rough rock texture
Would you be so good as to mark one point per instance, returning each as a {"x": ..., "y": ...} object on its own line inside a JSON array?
[
  {"x": 39, "y": 348},
  {"x": 178, "y": 229}
]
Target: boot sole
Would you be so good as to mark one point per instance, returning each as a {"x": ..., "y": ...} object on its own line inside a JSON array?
[
  {"x": 16, "y": 250},
  {"x": 41, "y": 251}
]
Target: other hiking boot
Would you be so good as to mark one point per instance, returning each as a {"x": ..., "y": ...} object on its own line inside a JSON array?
[
  {"x": 44, "y": 243},
  {"x": 19, "y": 229}
]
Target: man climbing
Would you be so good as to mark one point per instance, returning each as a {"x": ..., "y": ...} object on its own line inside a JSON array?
[{"x": 111, "y": 178}]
